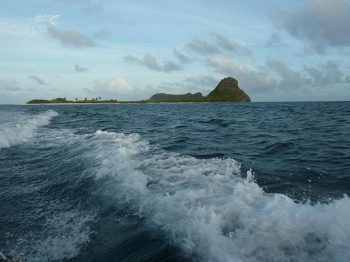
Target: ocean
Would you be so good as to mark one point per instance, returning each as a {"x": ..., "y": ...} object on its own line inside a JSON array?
[{"x": 176, "y": 182}]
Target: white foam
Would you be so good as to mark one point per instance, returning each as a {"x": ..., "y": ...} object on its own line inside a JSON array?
[
  {"x": 67, "y": 232},
  {"x": 208, "y": 209},
  {"x": 23, "y": 129},
  {"x": 62, "y": 237}
]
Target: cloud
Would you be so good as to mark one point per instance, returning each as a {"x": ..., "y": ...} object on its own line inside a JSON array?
[
  {"x": 111, "y": 88},
  {"x": 249, "y": 78},
  {"x": 327, "y": 74},
  {"x": 288, "y": 78},
  {"x": 47, "y": 19},
  {"x": 276, "y": 41},
  {"x": 179, "y": 55},
  {"x": 203, "y": 81},
  {"x": 190, "y": 84},
  {"x": 323, "y": 24},
  {"x": 80, "y": 69},
  {"x": 221, "y": 64},
  {"x": 70, "y": 37},
  {"x": 230, "y": 45},
  {"x": 9, "y": 85},
  {"x": 152, "y": 63},
  {"x": 38, "y": 80},
  {"x": 201, "y": 47},
  {"x": 277, "y": 75}
]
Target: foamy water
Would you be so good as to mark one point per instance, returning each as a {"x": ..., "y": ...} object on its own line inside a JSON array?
[
  {"x": 207, "y": 208},
  {"x": 175, "y": 183},
  {"x": 23, "y": 129}
]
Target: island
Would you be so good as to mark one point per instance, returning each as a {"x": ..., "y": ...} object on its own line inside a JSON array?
[
  {"x": 63, "y": 100},
  {"x": 226, "y": 91}
]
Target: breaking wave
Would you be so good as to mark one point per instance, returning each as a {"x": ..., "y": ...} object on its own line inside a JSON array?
[
  {"x": 208, "y": 209},
  {"x": 62, "y": 237},
  {"x": 24, "y": 129}
]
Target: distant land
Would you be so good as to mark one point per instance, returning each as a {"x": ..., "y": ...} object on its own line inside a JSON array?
[{"x": 226, "y": 91}]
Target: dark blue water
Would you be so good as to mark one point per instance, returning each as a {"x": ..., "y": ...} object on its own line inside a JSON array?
[{"x": 176, "y": 182}]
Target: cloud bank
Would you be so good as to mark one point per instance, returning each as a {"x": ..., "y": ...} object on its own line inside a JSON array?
[
  {"x": 70, "y": 38},
  {"x": 322, "y": 23},
  {"x": 151, "y": 62},
  {"x": 38, "y": 80}
]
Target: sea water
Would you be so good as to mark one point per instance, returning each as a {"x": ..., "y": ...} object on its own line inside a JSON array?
[{"x": 176, "y": 182}]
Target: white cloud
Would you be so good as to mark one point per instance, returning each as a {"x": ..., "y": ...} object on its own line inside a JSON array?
[
  {"x": 17, "y": 28},
  {"x": 111, "y": 88},
  {"x": 47, "y": 19}
]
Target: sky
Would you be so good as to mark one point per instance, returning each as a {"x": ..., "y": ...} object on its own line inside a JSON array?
[{"x": 131, "y": 49}]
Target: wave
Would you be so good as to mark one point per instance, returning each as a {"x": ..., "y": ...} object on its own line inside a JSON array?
[
  {"x": 62, "y": 237},
  {"x": 24, "y": 130},
  {"x": 207, "y": 208}
]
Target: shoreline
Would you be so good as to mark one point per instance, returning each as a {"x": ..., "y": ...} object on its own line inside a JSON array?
[{"x": 121, "y": 103}]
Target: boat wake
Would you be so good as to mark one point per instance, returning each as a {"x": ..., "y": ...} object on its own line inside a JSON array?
[
  {"x": 24, "y": 129},
  {"x": 210, "y": 211}
]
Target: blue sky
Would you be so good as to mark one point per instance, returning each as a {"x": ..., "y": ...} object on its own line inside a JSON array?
[{"x": 129, "y": 50}]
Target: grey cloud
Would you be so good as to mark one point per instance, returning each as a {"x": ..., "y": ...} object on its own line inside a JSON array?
[
  {"x": 288, "y": 78},
  {"x": 230, "y": 45},
  {"x": 152, "y": 63},
  {"x": 277, "y": 76},
  {"x": 9, "y": 85},
  {"x": 201, "y": 47},
  {"x": 276, "y": 41},
  {"x": 179, "y": 55},
  {"x": 38, "y": 80},
  {"x": 190, "y": 84},
  {"x": 321, "y": 75},
  {"x": 249, "y": 78},
  {"x": 327, "y": 74},
  {"x": 80, "y": 69},
  {"x": 206, "y": 81},
  {"x": 70, "y": 37},
  {"x": 323, "y": 24}
]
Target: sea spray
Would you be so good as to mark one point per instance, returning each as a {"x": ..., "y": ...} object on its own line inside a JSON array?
[
  {"x": 208, "y": 209},
  {"x": 24, "y": 129}
]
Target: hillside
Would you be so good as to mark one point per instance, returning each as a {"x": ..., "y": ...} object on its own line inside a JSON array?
[
  {"x": 228, "y": 91},
  {"x": 161, "y": 97}
]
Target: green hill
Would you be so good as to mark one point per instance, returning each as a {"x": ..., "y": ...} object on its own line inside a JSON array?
[
  {"x": 228, "y": 91},
  {"x": 161, "y": 97}
]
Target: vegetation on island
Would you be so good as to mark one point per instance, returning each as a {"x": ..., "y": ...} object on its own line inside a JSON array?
[
  {"x": 226, "y": 91},
  {"x": 161, "y": 97},
  {"x": 63, "y": 100}
]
